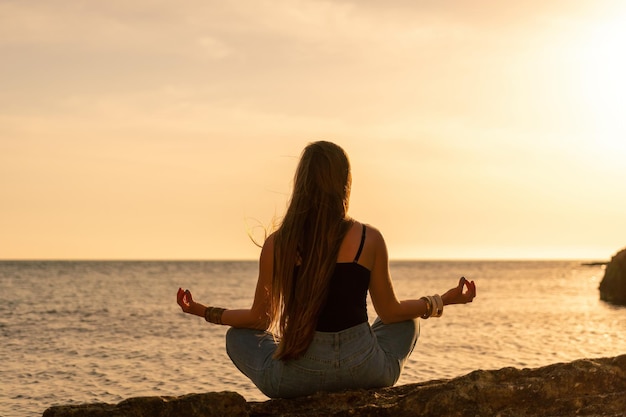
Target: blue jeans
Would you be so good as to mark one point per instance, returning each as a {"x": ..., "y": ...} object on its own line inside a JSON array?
[{"x": 362, "y": 356}]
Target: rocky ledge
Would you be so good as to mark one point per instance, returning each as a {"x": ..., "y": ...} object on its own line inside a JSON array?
[
  {"x": 613, "y": 285},
  {"x": 588, "y": 387}
]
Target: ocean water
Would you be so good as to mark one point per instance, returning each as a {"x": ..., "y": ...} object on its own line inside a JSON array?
[{"x": 76, "y": 332}]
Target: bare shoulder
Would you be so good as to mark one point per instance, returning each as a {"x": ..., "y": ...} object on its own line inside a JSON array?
[
  {"x": 266, "y": 260},
  {"x": 267, "y": 251},
  {"x": 374, "y": 248},
  {"x": 374, "y": 235},
  {"x": 269, "y": 241}
]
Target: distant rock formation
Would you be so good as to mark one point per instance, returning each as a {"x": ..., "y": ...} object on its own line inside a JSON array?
[
  {"x": 613, "y": 285},
  {"x": 582, "y": 388}
]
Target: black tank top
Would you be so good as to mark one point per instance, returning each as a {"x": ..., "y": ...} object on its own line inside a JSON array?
[{"x": 346, "y": 305}]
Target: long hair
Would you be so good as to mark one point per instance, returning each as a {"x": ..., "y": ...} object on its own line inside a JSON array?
[{"x": 306, "y": 245}]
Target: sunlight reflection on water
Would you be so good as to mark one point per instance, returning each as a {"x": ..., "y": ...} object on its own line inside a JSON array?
[{"x": 77, "y": 332}]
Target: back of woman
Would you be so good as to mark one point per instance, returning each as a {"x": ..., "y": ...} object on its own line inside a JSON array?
[{"x": 307, "y": 329}]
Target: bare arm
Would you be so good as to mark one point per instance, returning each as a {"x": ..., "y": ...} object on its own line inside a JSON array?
[
  {"x": 387, "y": 305},
  {"x": 256, "y": 317}
]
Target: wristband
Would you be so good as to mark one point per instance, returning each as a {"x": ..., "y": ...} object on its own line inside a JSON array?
[{"x": 214, "y": 314}]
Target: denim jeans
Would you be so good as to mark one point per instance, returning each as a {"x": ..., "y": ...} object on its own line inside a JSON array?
[{"x": 362, "y": 356}]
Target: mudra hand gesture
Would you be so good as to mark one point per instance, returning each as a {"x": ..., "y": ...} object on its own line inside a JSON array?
[
  {"x": 184, "y": 300},
  {"x": 459, "y": 294}
]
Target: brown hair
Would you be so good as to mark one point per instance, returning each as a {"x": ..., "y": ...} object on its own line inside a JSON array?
[{"x": 306, "y": 245}]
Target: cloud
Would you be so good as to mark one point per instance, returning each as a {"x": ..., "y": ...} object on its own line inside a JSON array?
[{"x": 360, "y": 62}]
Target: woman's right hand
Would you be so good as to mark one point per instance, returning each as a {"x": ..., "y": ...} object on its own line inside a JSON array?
[
  {"x": 459, "y": 295},
  {"x": 184, "y": 300}
]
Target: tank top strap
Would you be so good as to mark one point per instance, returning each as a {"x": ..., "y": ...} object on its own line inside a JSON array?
[{"x": 358, "y": 254}]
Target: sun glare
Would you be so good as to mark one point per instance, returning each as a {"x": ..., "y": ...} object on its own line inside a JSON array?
[{"x": 602, "y": 81}]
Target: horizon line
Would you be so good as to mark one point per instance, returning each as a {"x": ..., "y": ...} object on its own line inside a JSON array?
[{"x": 447, "y": 259}]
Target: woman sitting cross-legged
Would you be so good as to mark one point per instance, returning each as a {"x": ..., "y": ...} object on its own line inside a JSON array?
[{"x": 308, "y": 329}]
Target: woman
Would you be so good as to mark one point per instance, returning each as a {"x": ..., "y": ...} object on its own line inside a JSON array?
[{"x": 307, "y": 329}]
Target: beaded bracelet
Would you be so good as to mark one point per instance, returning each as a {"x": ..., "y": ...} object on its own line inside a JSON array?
[
  {"x": 434, "y": 306},
  {"x": 214, "y": 314},
  {"x": 438, "y": 311}
]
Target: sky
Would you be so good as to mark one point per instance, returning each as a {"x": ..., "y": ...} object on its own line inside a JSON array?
[{"x": 171, "y": 130}]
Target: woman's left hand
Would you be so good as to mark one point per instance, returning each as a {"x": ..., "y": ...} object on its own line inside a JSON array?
[{"x": 184, "y": 300}]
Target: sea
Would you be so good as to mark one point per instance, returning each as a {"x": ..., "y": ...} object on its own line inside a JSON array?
[{"x": 103, "y": 331}]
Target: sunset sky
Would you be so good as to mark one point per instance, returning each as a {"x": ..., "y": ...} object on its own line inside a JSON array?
[{"x": 167, "y": 130}]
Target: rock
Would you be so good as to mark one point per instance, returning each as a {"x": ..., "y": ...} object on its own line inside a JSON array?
[
  {"x": 613, "y": 285},
  {"x": 212, "y": 404},
  {"x": 582, "y": 388}
]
